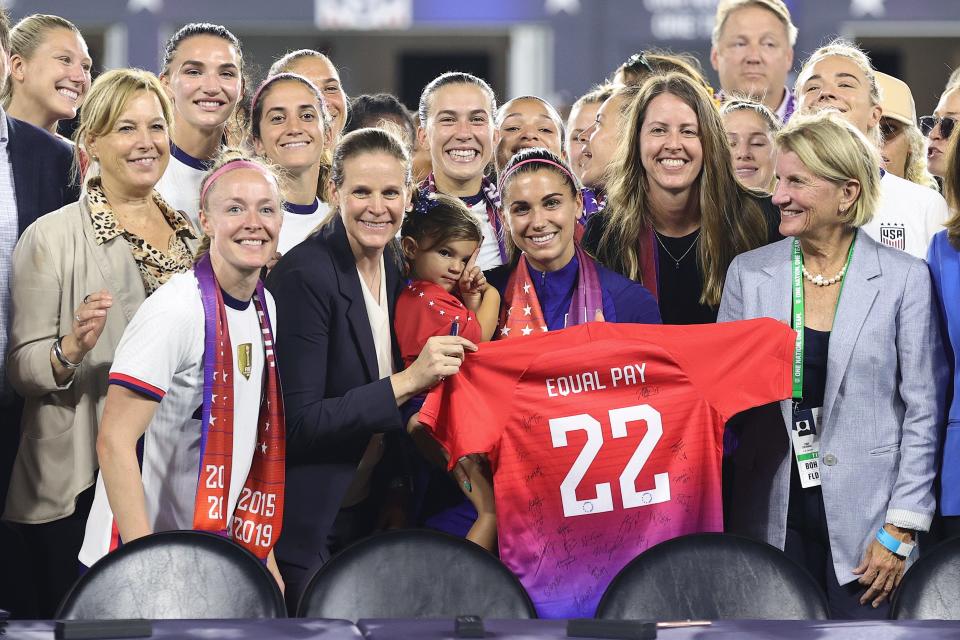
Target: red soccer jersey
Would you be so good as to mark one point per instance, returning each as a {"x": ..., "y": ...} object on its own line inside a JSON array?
[
  {"x": 605, "y": 439},
  {"x": 423, "y": 310}
]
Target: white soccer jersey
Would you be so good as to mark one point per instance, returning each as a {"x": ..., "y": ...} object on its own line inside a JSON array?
[
  {"x": 161, "y": 356},
  {"x": 908, "y": 216},
  {"x": 298, "y": 221},
  {"x": 180, "y": 183},
  {"x": 489, "y": 256}
]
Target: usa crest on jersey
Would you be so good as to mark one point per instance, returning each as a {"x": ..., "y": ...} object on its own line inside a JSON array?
[{"x": 893, "y": 235}]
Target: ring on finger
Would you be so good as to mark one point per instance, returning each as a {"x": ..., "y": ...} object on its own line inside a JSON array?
[
  {"x": 76, "y": 317},
  {"x": 86, "y": 298}
]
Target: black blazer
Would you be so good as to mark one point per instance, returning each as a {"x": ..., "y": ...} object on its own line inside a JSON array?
[
  {"x": 333, "y": 399},
  {"x": 44, "y": 181},
  {"x": 43, "y": 175}
]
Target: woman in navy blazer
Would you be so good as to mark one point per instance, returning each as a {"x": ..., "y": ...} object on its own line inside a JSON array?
[
  {"x": 846, "y": 497},
  {"x": 335, "y": 294},
  {"x": 944, "y": 260}
]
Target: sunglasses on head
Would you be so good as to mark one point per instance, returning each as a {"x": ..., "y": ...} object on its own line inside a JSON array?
[
  {"x": 929, "y": 123},
  {"x": 639, "y": 59}
]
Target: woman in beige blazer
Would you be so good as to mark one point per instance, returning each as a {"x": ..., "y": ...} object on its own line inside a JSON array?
[{"x": 79, "y": 274}]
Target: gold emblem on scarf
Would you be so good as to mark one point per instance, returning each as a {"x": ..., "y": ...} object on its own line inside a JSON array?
[{"x": 245, "y": 359}]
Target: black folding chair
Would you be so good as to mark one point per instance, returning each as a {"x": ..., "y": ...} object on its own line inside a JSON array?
[
  {"x": 930, "y": 590},
  {"x": 175, "y": 574},
  {"x": 414, "y": 574},
  {"x": 713, "y": 576}
]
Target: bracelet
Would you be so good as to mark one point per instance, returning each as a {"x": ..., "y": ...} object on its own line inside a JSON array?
[
  {"x": 62, "y": 359},
  {"x": 893, "y": 545}
]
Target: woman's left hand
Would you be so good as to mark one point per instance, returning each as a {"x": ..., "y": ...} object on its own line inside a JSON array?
[{"x": 881, "y": 570}]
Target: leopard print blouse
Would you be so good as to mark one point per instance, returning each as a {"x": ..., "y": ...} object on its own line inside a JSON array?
[{"x": 156, "y": 266}]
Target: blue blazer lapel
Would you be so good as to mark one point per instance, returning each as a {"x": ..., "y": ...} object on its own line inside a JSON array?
[
  {"x": 26, "y": 176},
  {"x": 860, "y": 289},
  {"x": 348, "y": 281}
]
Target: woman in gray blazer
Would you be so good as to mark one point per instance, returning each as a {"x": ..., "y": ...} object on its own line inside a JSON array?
[
  {"x": 79, "y": 274},
  {"x": 841, "y": 478}
]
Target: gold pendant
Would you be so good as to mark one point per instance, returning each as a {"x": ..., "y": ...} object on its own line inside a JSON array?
[{"x": 245, "y": 359}]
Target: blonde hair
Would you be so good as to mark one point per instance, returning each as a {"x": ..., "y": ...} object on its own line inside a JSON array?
[
  {"x": 226, "y": 156},
  {"x": 845, "y": 49},
  {"x": 833, "y": 149},
  {"x": 916, "y": 170},
  {"x": 26, "y": 36},
  {"x": 105, "y": 103},
  {"x": 735, "y": 103},
  {"x": 730, "y": 215},
  {"x": 776, "y": 7}
]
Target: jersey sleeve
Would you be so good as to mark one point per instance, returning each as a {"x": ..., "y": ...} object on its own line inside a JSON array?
[
  {"x": 737, "y": 365},
  {"x": 468, "y": 412},
  {"x": 408, "y": 327},
  {"x": 421, "y": 313},
  {"x": 159, "y": 339}
]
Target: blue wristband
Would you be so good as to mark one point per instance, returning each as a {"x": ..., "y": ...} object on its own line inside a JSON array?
[{"x": 894, "y": 546}]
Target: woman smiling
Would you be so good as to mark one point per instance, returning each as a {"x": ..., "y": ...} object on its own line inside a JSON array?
[
  {"x": 676, "y": 215},
  {"x": 291, "y": 127},
  {"x": 80, "y": 273},
  {"x": 342, "y": 385},
  {"x": 229, "y": 465},
  {"x": 202, "y": 73},
  {"x": 551, "y": 283},
  {"x": 456, "y": 125},
  {"x": 49, "y": 71},
  {"x": 868, "y": 398}
]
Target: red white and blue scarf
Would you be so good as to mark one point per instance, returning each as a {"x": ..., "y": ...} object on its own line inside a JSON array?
[
  {"x": 521, "y": 314},
  {"x": 257, "y": 519}
]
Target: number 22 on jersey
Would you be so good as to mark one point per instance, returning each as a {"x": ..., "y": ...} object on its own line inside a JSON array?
[{"x": 619, "y": 419}]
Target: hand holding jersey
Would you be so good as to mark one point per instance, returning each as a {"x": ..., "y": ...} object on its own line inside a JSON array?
[
  {"x": 649, "y": 408},
  {"x": 441, "y": 357}
]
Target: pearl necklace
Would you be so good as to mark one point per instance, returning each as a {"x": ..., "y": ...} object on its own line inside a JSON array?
[{"x": 820, "y": 281}]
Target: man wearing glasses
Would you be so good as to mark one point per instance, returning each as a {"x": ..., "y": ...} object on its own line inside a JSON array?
[{"x": 939, "y": 127}]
